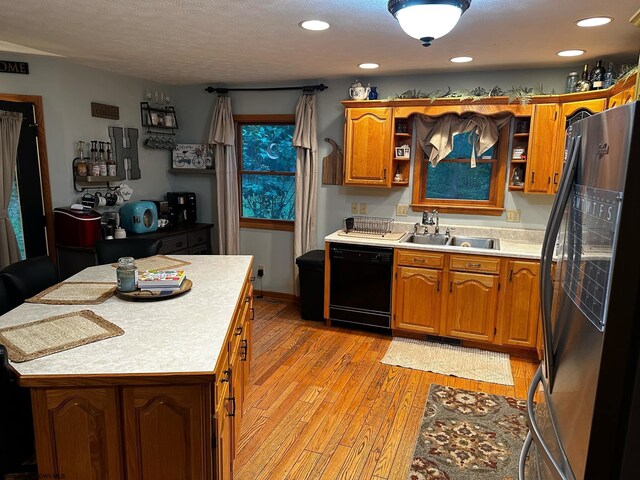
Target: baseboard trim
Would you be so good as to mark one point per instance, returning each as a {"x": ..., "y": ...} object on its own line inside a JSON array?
[{"x": 286, "y": 297}]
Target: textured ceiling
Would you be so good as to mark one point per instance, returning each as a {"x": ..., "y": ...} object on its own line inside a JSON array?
[{"x": 259, "y": 41}]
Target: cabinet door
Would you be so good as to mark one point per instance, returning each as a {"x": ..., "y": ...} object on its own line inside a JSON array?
[
  {"x": 622, "y": 98},
  {"x": 368, "y": 146},
  {"x": 165, "y": 435},
  {"x": 224, "y": 426},
  {"x": 418, "y": 300},
  {"x": 472, "y": 306},
  {"x": 78, "y": 433},
  {"x": 542, "y": 142},
  {"x": 522, "y": 304},
  {"x": 571, "y": 113}
]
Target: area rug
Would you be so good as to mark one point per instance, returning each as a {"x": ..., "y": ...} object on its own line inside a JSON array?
[
  {"x": 473, "y": 363},
  {"x": 469, "y": 436}
]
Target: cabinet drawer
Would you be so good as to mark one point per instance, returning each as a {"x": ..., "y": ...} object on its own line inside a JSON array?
[
  {"x": 198, "y": 238},
  {"x": 474, "y": 264},
  {"x": 415, "y": 258},
  {"x": 173, "y": 244}
]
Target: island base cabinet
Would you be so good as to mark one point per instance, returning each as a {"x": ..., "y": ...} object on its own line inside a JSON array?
[
  {"x": 77, "y": 433},
  {"x": 472, "y": 306},
  {"x": 164, "y": 427}
]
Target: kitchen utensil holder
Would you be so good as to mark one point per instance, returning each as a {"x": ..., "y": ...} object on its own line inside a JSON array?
[{"x": 373, "y": 225}]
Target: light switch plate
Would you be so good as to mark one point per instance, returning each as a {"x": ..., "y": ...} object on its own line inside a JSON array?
[
  {"x": 363, "y": 209},
  {"x": 513, "y": 215},
  {"x": 354, "y": 208},
  {"x": 402, "y": 210}
]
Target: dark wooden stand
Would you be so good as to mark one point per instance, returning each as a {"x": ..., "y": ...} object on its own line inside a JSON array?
[{"x": 186, "y": 239}]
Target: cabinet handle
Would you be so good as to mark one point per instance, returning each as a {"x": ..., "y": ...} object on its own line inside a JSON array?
[
  {"x": 227, "y": 374},
  {"x": 384, "y": 174},
  {"x": 233, "y": 402},
  {"x": 450, "y": 287},
  {"x": 244, "y": 349},
  {"x": 419, "y": 260},
  {"x": 549, "y": 180},
  {"x": 179, "y": 244},
  {"x": 511, "y": 275},
  {"x": 247, "y": 299},
  {"x": 533, "y": 177},
  {"x": 555, "y": 178},
  {"x": 438, "y": 286},
  {"x": 253, "y": 313},
  {"x": 238, "y": 331},
  {"x": 474, "y": 265}
]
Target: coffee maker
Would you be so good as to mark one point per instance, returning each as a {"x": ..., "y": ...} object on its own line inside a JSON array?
[{"x": 182, "y": 207}]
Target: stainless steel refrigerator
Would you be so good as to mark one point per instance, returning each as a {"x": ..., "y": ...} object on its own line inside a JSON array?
[{"x": 585, "y": 423}]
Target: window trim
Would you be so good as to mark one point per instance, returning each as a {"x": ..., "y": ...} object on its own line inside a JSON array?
[
  {"x": 267, "y": 119},
  {"x": 493, "y": 206}
]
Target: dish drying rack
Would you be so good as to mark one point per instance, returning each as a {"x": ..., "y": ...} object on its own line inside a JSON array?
[{"x": 371, "y": 225}]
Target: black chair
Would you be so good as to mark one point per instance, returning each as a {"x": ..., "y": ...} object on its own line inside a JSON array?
[
  {"x": 109, "y": 251},
  {"x": 25, "y": 278},
  {"x": 16, "y": 422}
]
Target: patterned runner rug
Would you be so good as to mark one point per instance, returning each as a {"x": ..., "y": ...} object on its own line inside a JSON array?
[{"x": 469, "y": 436}]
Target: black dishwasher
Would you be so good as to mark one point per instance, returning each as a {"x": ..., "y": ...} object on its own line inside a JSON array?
[{"x": 360, "y": 284}]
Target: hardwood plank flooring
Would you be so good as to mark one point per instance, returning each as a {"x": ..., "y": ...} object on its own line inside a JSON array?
[{"x": 320, "y": 405}]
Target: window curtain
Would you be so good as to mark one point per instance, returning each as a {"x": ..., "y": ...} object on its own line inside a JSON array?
[
  {"x": 305, "y": 139},
  {"x": 435, "y": 134},
  {"x": 10, "y": 124},
  {"x": 222, "y": 137}
]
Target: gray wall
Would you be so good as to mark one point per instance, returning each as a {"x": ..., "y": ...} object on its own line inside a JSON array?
[{"x": 67, "y": 90}]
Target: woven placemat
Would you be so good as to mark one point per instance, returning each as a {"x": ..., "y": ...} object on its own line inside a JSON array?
[
  {"x": 157, "y": 262},
  {"x": 56, "y": 334},
  {"x": 75, "y": 293}
]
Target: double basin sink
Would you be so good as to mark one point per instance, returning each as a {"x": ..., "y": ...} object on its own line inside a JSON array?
[{"x": 455, "y": 241}]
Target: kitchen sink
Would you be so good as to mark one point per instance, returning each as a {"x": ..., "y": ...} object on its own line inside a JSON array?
[
  {"x": 475, "y": 242},
  {"x": 427, "y": 239}
]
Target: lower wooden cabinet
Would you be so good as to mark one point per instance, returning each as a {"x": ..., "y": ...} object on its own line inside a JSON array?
[
  {"x": 521, "y": 313},
  {"x": 223, "y": 425},
  {"x": 470, "y": 297},
  {"x": 472, "y": 306},
  {"x": 419, "y": 299}
]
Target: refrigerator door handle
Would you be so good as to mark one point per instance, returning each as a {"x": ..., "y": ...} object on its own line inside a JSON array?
[
  {"x": 523, "y": 455},
  {"x": 534, "y": 431},
  {"x": 551, "y": 233}
]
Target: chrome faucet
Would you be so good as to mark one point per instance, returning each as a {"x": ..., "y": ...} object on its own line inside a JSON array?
[
  {"x": 434, "y": 214},
  {"x": 415, "y": 228}
]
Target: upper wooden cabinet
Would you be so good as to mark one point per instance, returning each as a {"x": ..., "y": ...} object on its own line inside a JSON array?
[
  {"x": 368, "y": 146},
  {"x": 627, "y": 95},
  {"x": 542, "y": 148}
]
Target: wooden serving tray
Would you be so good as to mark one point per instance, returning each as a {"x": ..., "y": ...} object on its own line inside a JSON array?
[{"x": 148, "y": 295}]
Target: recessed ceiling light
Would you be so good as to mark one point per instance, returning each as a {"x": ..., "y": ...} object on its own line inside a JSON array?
[
  {"x": 461, "y": 59},
  {"x": 314, "y": 25},
  {"x": 594, "y": 21},
  {"x": 368, "y": 66},
  {"x": 570, "y": 53}
]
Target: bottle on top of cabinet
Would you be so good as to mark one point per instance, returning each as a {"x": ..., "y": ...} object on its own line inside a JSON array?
[
  {"x": 609, "y": 76},
  {"x": 584, "y": 85},
  {"x": 597, "y": 76}
]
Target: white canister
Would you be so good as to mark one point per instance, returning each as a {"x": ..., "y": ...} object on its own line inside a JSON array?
[{"x": 120, "y": 233}]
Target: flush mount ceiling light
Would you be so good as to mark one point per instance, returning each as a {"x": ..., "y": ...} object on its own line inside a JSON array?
[
  {"x": 427, "y": 20},
  {"x": 570, "y": 53},
  {"x": 315, "y": 25},
  {"x": 461, "y": 59},
  {"x": 368, "y": 66},
  {"x": 593, "y": 21}
]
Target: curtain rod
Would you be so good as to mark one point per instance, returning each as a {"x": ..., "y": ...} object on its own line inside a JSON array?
[{"x": 308, "y": 88}]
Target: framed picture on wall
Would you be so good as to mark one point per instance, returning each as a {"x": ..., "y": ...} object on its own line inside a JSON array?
[
  {"x": 192, "y": 155},
  {"x": 403, "y": 151}
]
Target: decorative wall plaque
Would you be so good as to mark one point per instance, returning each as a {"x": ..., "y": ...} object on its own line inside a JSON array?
[
  {"x": 100, "y": 110},
  {"x": 8, "y": 66}
]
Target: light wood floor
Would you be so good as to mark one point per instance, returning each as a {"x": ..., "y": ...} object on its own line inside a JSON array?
[{"x": 321, "y": 405}]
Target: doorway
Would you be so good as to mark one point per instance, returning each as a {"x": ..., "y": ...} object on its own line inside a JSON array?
[{"x": 30, "y": 209}]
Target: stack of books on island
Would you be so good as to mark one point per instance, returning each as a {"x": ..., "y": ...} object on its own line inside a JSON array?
[{"x": 161, "y": 280}]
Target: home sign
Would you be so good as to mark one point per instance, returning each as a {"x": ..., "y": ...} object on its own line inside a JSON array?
[{"x": 8, "y": 66}]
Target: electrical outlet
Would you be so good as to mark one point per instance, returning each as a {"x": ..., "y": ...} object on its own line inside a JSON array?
[
  {"x": 402, "y": 210},
  {"x": 260, "y": 270},
  {"x": 363, "y": 209},
  {"x": 513, "y": 215},
  {"x": 354, "y": 209}
]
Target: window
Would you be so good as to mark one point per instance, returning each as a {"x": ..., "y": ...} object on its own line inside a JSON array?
[
  {"x": 266, "y": 171},
  {"x": 453, "y": 186}
]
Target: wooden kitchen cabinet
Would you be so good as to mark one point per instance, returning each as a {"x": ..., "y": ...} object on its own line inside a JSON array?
[
  {"x": 223, "y": 460},
  {"x": 542, "y": 148},
  {"x": 368, "y": 146},
  {"x": 627, "y": 95},
  {"x": 521, "y": 312},
  {"x": 418, "y": 300},
  {"x": 472, "y": 303}
]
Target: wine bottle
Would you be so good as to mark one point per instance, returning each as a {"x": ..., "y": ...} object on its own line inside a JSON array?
[
  {"x": 583, "y": 84},
  {"x": 608, "y": 77},
  {"x": 597, "y": 76}
]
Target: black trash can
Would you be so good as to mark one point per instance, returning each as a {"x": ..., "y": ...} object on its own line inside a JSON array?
[{"x": 311, "y": 266}]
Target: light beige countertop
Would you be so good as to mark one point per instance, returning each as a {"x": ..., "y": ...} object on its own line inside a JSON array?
[
  {"x": 178, "y": 335},
  {"x": 520, "y": 243}
]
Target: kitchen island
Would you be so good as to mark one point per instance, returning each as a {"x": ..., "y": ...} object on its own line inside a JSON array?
[{"x": 162, "y": 401}]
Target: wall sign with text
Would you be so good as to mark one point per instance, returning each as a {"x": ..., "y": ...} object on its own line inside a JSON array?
[{"x": 8, "y": 66}]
